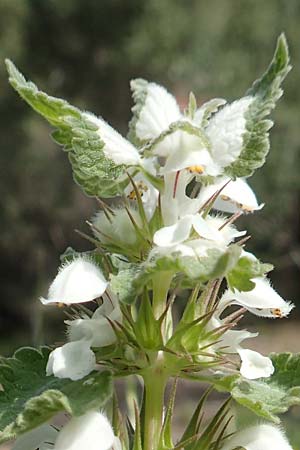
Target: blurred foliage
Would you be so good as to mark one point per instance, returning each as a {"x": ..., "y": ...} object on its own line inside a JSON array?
[{"x": 87, "y": 51}]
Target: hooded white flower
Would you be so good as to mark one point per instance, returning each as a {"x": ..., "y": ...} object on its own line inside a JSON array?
[
  {"x": 262, "y": 301},
  {"x": 254, "y": 365},
  {"x": 76, "y": 282},
  {"x": 235, "y": 196},
  {"x": 97, "y": 329},
  {"x": 208, "y": 228},
  {"x": 39, "y": 437},
  {"x": 91, "y": 431},
  {"x": 73, "y": 360},
  {"x": 258, "y": 437}
]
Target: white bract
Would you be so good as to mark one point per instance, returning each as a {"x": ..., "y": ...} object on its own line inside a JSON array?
[
  {"x": 91, "y": 431},
  {"x": 235, "y": 196},
  {"x": 258, "y": 437},
  {"x": 262, "y": 301},
  {"x": 76, "y": 282}
]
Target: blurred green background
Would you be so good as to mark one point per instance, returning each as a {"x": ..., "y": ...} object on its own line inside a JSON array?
[{"x": 87, "y": 51}]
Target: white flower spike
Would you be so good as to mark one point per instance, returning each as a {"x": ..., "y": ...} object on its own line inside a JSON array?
[
  {"x": 76, "y": 282},
  {"x": 262, "y": 301},
  {"x": 259, "y": 437},
  {"x": 235, "y": 196},
  {"x": 91, "y": 431}
]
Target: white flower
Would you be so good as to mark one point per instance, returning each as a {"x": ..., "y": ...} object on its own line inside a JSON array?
[
  {"x": 147, "y": 191},
  {"x": 208, "y": 228},
  {"x": 73, "y": 360},
  {"x": 262, "y": 301},
  {"x": 116, "y": 148},
  {"x": 76, "y": 282},
  {"x": 258, "y": 437},
  {"x": 97, "y": 329},
  {"x": 39, "y": 437},
  {"x": 212, "y": 145},
  {"x": 235, "y": 196},
  {"x": 175, "y": 204},
  {"x": 91, "y": 431},
  {"x": 254, "y": 365}
]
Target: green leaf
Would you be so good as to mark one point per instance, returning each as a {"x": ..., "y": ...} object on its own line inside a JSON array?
[
  {"x": 266, "y": 91},
  {"x": 29, "y": 397},
  {"x": 268, "y": 397},
  {"x": 130, "y": 281},
  {"x": 244, "y": 271},
  {"x": 95, "y": 173},
  {"x": 124, "y": 283}
]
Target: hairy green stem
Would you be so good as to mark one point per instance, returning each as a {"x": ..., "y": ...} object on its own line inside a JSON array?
[
  {"x": 155, "y": 381},
  {"x": 161, "y": 285}
]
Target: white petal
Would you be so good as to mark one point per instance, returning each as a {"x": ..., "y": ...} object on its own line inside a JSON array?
[
  {"x": 92, "y": 431},
  {"x": 262, "y": 301},
  {"x": 116, "y": 148},
  {"x": 236, "y": 196},
  {"x": 203, "y": 228},
  {"x": 97, "y": 329},
  {"x": 160, "y": 109},
  {"x": 254, "y": 365},
  {"x": 36, "y": 438},
  {"x": 175, "y": 204},
  {"x": 232, "y": 339},
  {"x": 259, "y": 437},
  {"x": 226, "y": 129},
  {"x": 73, "y": 360},
  {"x": 174, "y": 234},
  {"x": 190, "y": 153},
  {"x": 76, "y": 282}
]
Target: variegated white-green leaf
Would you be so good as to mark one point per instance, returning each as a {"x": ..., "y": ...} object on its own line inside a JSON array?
[
  {"x": 98, "y": 153},
  {"x": 264, "y": 94}
]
